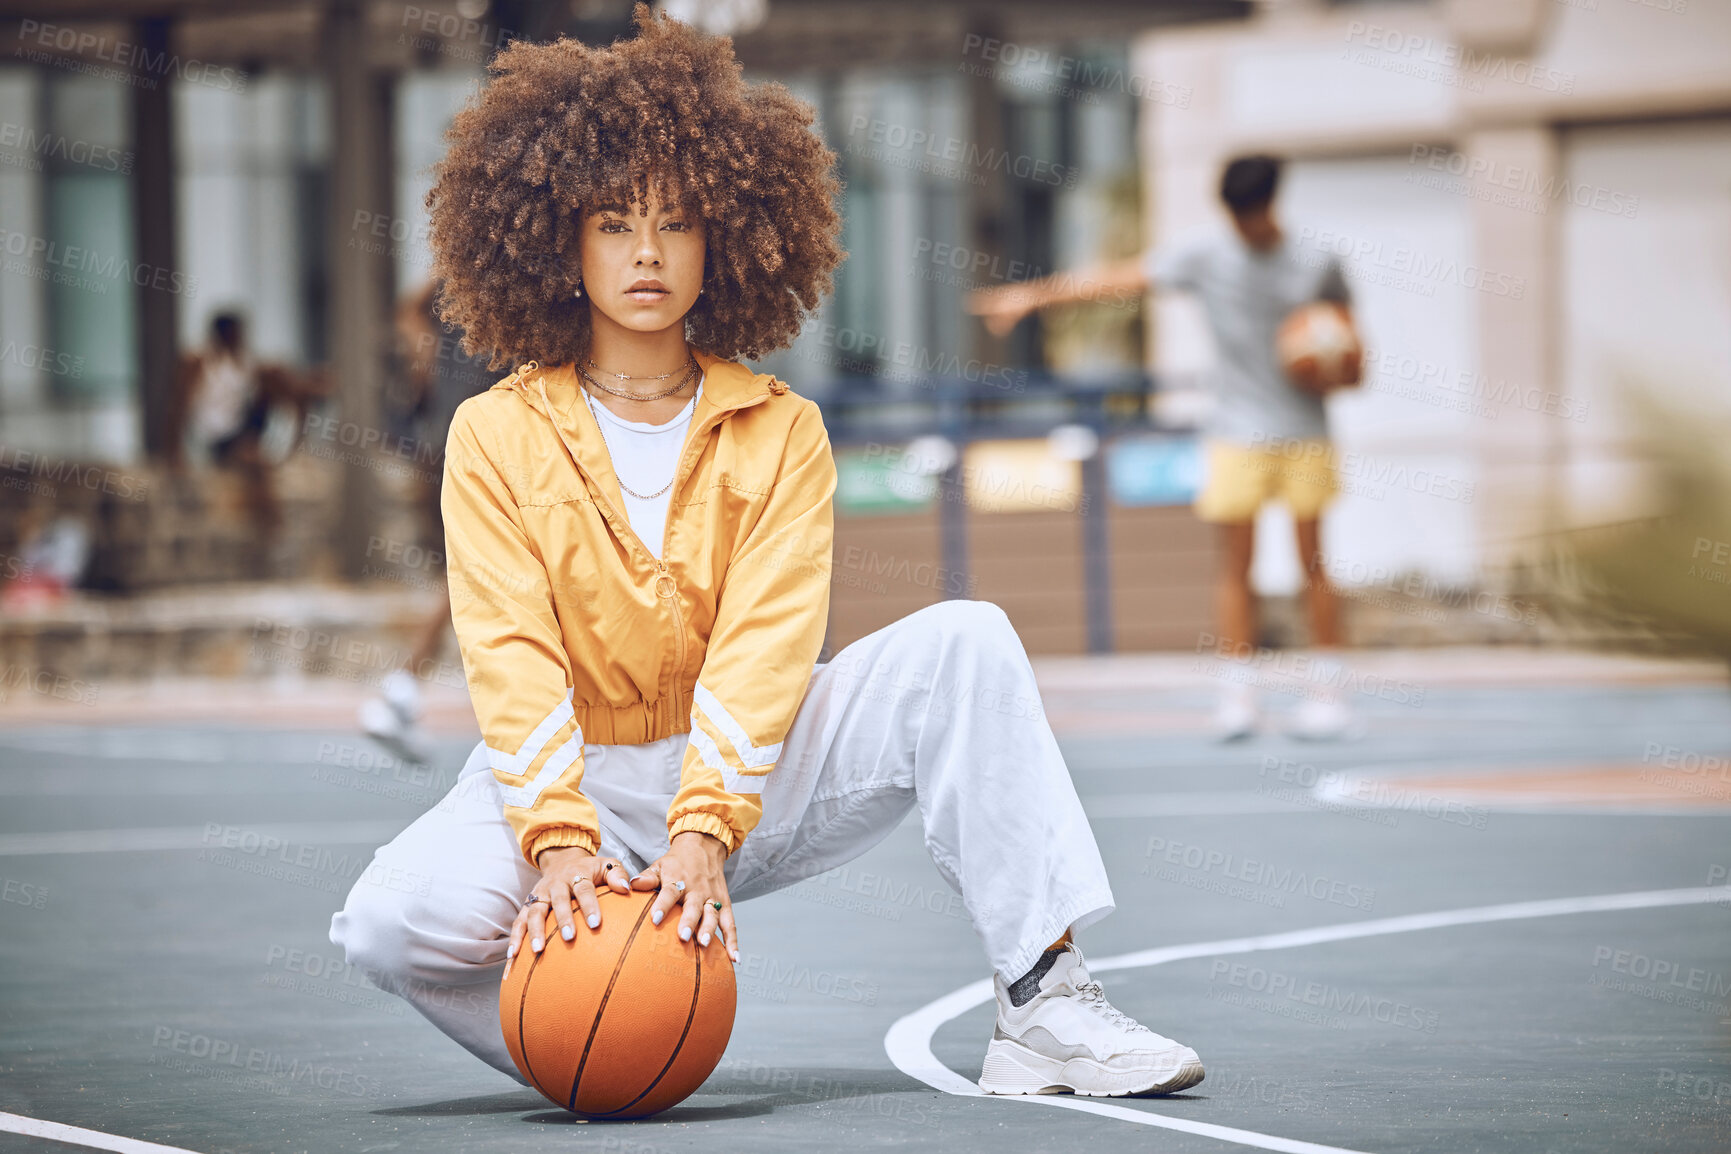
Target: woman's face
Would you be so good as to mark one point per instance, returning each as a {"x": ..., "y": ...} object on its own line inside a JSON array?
[{"x": 642, "y": 271}]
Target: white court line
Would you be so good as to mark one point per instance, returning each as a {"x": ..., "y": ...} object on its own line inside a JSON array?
[
  {"x": 192, "y": 837},
  {"x": 1211, "y": 803},
  {"x": 909, "y": 1041},
  {"x": 78, "y": 1136},
  {"x": 1348, "y": 790}
]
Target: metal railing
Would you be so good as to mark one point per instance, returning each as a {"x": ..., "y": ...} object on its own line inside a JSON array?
[{"x": 862, "y": 411}]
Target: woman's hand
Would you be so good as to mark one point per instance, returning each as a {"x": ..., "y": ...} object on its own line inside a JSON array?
[
  {"x": 696, "y": 860},
  {"x": 567, "y": 876}
]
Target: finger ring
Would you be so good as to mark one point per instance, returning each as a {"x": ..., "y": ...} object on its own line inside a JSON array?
[
  {"x": 716, "y": 904},
  {"x": 680, "y": 886},
  {"x": 533, "y": 898}
]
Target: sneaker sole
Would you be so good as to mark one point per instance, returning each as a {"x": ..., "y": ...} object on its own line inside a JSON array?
[{"x": 1012, "y": 1068}]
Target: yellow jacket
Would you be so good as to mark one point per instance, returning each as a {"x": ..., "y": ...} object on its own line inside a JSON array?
[{"x": 573, "y": 632}]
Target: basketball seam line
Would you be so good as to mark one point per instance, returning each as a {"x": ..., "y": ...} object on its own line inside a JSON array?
[
  {"x": 601, "y": 1010},
  {"x": 690, "y": 1016},
  {"x": 522, "y": 1003}
]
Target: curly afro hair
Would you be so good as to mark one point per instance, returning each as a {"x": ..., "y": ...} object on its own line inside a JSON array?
[{"x": 564, "y": 126}]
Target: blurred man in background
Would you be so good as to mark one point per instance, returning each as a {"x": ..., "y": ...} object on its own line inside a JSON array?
[{"x": 1266, "y": 436}]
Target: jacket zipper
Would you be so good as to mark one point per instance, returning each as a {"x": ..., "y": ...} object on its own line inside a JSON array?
[{"x": 667, "y": 586}]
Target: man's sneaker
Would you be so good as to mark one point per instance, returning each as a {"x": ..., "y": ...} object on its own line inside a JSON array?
[{"x": 1068, "y": 1037}]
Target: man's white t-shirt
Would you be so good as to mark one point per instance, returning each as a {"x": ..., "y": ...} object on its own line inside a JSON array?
[{"x": 644, "y": 457}]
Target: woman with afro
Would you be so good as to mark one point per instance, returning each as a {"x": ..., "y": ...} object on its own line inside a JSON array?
[{"x": 638, "y": 534}]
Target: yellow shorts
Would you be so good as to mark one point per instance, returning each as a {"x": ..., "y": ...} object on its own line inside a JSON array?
[{"x": 1241, "y": 478}]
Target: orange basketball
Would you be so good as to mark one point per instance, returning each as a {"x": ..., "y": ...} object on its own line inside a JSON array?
[
  {"x": 1318, "y": 349},
  {"x": 623, "y": 1021}
]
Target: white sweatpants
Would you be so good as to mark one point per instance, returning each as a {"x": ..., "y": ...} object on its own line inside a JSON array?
[{"x": 938, "y": 710}]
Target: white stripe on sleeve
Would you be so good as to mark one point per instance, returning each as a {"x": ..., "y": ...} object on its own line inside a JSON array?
[
  {"x": 523, "y": 796},
  {"x": 517, "y": 764},
  {"x": 750, "y": 756},
  {"x": 710, "y": 754}
]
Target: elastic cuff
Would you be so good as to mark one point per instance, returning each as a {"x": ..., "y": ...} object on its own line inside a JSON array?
[
  {"x": 1074, "y": 915},
  {"x": 559, "y": 837},
  {"x": 703, "y": 823}
]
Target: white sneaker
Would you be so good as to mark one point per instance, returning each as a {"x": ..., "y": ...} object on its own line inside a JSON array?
[
  {"x": 402, "y": 692},
  {"x": 390, "y": 719},
  {"x": 1235, "y": 716},
  {"x": 1322, "y": 721},
  {"x": 1068, "y": 1037}
]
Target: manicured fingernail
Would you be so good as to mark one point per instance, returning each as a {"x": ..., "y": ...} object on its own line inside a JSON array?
[
  {"x": 703, "y": 938},
  {"x": 655, "y": 916},
  {"x": 511, "y": 950},
  {"x": 736, "y": 957},
  {"x": 685, "y": 933},
  {"x": 535, "y": 945},
  {"x": 567, "y": 932},
  {"x": 594, "y": 921}
]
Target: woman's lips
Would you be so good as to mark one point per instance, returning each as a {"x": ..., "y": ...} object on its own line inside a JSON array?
[{"x": 648, "y": 296}]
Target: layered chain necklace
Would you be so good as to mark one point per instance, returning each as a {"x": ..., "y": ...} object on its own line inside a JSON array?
[{"x": 691, "y": 369}]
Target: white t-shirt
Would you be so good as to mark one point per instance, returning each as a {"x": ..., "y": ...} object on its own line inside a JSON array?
[
  {"x": 644, "y": 457},
  {"x": 225, "y": 388}
]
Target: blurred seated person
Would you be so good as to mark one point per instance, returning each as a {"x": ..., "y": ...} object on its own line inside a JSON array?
[{"x": 235, "y": 413}]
